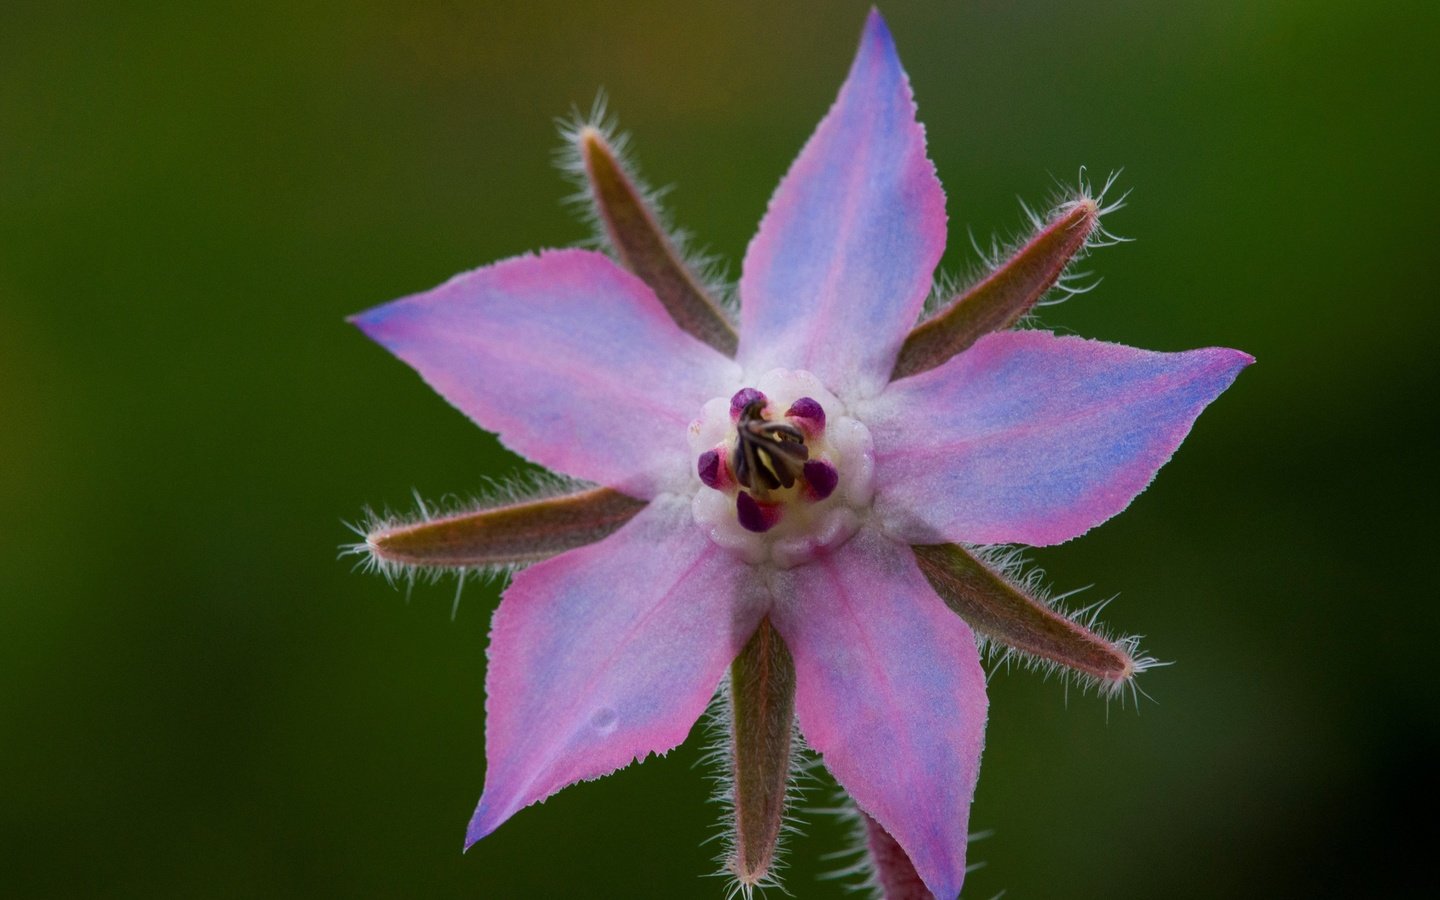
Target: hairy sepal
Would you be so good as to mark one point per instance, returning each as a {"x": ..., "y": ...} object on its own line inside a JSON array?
[
  {"x": 500, "y": 537},
  {"x": 1010, "y": 612},
  {"x": 873, "y": 864},
  {"x": 1006, "y": 295},
  {"x": 635, "y": 232},
  {"x": 895, "y": 875},
  {"x": 762, "y": 716}
]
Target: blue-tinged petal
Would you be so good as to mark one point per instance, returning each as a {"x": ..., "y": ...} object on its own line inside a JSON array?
[
  {"x": 889, "y": 689},
  {"x": 572, "y": 361},
  {"x": 606, "y": 654},
  {"x": 1031, "y": 438},
  {"x": 839, "y": 270}
]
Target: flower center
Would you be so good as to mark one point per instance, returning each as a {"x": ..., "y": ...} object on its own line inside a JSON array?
[
  {"x": 785, "y": 475},
  {"x": 768, "y": 455}
]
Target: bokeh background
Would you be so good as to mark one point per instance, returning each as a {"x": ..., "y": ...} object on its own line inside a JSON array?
[{"x": 197, "y": 699}]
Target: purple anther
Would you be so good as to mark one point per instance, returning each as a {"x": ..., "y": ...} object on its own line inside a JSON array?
[
  {"x": 709, "y": 469},
  {"x": 821, "y": 477},
  {"x": 753, "y": 516},
  {"x": 743, "y": 398},
  {"x": 808, "y": 409}
]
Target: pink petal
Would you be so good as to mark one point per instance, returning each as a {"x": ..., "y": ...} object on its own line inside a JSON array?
[
  {"x": 890, "y": 690},
  {"x": 606, "y": 654},
  {"x": 1031, "y": 438},
  {"x": 571, "y": 360},
  {"x": 839, "y": 270}
]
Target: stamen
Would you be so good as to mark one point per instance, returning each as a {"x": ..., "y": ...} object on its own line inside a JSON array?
[
  {"x": 768, "y": 455},
  {"x": 769, "y": 458},
  {"x": 753, "y": 516},
  {"x": 745, "y": 397},
  {"x": 821, "y": 477},
  {"x": 811, "y": 414},
  {"x": 709, "y": 469}
]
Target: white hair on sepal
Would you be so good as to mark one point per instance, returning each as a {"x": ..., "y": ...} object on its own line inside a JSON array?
[
  {"x": 519, "y": 488},
  {"x": 997, "y": 250},
  {"x": 944, "y": 287},
  {"x": 717, "y": 756},
  {"x": 1012, "y": 565},
  {"x": 571, "y": 162},
  {"x": 1083, "y": 191},
  {"x": 1075, "y": 281},
  {"x": 710, "y": 270},
  {"x": 856, "y": 870},
  {"x": 857, "y": 873}
]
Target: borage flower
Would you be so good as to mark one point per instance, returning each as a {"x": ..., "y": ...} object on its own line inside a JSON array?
[{"x": 796, "y": 501}]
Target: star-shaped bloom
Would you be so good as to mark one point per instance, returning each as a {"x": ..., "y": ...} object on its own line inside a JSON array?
[{"x": 792, "y": 500}]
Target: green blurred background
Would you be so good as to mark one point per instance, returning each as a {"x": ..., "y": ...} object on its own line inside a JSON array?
[{"x": 198, "y": 699}]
